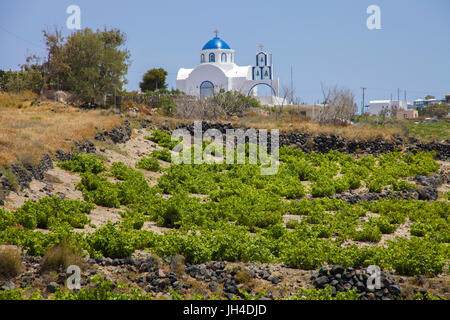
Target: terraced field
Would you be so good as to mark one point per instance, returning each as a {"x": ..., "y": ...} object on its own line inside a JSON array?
[{"x": 224, "y": 231}]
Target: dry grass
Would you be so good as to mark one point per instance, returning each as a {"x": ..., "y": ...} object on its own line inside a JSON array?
[
  {"x": 10, "y": 261},
  {"x": 61, "y": 256},
  {"x": 29, "y": 132},
  {"x": 285, "y": 124},
  {"x": 17, "y": 100},
  {"x": 177, "y": 264}
]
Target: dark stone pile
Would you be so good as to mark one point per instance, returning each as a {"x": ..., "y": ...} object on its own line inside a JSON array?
[
  {"x": 120, "y": 134},
  {"x": 26, "y": 173},
  {"x": 222, "y": 127},
  {"x": 152, "y": 275},
  {"x": 343, "y": 279},
  {"x": 323, "y": 143},
  {"x": 84, "y": 147},
  {"x": 426, "y": 191},
  {"x": 442, "y": 149}
]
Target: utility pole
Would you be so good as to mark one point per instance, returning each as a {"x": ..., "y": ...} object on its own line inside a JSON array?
[
  {"x": 292, "y": 86},
  {"x": 363, "y": 100}
]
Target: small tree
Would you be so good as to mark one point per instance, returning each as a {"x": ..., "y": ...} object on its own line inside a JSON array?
[
  {"x": 339, "y": 105},
  {"x": 91, "y": 65},
  {"x": 154, "y": 79},
  {"x": 438, "y": 110}
]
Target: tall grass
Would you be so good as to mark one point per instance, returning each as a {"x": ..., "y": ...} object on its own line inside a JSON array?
[{"x": 27, "y": 133}]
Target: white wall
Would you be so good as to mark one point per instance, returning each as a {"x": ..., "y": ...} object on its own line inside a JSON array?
[
  {"x": 376, "y": 106},
  {"x": 203, "y": 72}
]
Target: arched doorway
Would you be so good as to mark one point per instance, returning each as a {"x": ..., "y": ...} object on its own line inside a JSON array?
[
  {"x": 270, "y": 89},
  {"x": 206, "y": 89}
]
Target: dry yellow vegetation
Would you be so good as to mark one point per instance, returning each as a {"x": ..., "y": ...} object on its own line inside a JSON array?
[
  {"x": 285, "y": 124},
  {"x": 290, "y": 122},
  {"x": 28, "y": 132}
]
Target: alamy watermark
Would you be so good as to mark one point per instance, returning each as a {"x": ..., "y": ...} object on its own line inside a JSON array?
[
  {"x": 73, "y": 22},
  {"x": 374, "y": 20},
  {"x": 237, "y": 141},
  {"x": 74, "y": 280},
  {"x": 374, "y": 281}
]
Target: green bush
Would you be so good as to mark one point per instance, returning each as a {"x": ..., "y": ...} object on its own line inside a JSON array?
[
  {"x": 369, "y": 233},
  {"x": 417, "y": 256},
  {"x": 148, "y": 163},
  {"x": 164, "y": 155},
  {"x": 82, "y": 162},
  {"x": 7, "y": 219},
  {"x": 10, "y": 177},
  {"x": 305, "y": 254},
  {"x": 133, "y": 219},
  {"x": 104, "y": 290},
  {"x": 163, "y": 139},
  {"x": 53, "y": 211},
  {"x": 325, "y": 294},
  {"x": 111, "y": 241}
]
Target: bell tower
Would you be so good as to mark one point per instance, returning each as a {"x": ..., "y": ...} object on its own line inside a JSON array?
[{"x": 263, "y": 69}]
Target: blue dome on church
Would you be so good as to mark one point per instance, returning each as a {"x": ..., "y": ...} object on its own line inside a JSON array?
[{"x": 216, "y": 43}]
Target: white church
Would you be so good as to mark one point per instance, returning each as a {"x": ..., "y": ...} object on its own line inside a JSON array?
[{"x": 218, "y": 71}]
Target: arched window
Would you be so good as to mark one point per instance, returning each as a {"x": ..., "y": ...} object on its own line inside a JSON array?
[
  {"x": 206, "y": 89},
  {"x": 212, "y": 57},
  {"x": 202, "y": 58},
  {"x": 257, "y": 74},
  {"x": 224, "y": 57},
  {"x": 261, "y": 59}
]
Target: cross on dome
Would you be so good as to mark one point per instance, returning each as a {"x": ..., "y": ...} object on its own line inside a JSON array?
[{"x": 216, "y": 32}]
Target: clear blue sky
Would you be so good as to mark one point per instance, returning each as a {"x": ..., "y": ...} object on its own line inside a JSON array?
[{"x": 324, "y": 40}]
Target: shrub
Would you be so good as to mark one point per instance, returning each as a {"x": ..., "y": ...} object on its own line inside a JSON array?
[
  {"x": 401, "y": 185},
  {"x": 10, "y": 261},
  {"x": 164, "y": 155},
  {"x": 106, "y": 194},
  {"x": 308, "y": 254},
  {"x": 384, "y": 226},
  {"x": 148, "y": 163},
  {"x": 325, "y": 294},
  {"x": 163, "y": 139},
  {"x": 417, "y": 256},
  {"x": 104, "y": 289},
  {"x": 10, "y": 178},
  {"x": 177, "y": 209},
  {"x": 167, "y": 104},
  {"x": 120, "y": 171},
  {"x": 111, "y": 241},
  {"x": 60, "y": 257},
  {"x": 323, "y": 188},
  {"x": 133, "y": 219},
  {"x": 82, "y": 162},
  {"x": 369, "y": 233},
  {"x": 53, "y": 210},
  {"x": 7, "y": 219}
]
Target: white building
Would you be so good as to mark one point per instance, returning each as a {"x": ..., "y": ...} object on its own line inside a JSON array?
[
  {"x": 376, "y": 106},
  {"x": 217, "y": 70}
]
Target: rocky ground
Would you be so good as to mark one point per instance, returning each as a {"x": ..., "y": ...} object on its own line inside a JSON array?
[
  {"x": 161, "y": 278},
  {"x": 218, "y": 279}
]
